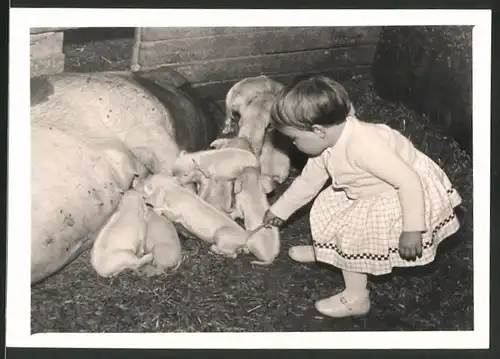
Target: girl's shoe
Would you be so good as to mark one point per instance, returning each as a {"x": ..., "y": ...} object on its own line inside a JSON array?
[
  {"x": 344, "y": 305},
  {"x": 303, "y": 254}
]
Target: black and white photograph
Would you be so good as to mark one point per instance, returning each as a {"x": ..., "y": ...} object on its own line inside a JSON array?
[{"x": 302, "y": 178}]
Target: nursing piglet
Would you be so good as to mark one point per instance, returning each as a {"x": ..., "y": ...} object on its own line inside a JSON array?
[
  {"x": 166, "y": 194},
  {"x": 163, "y": 241},
  {"x": 223, "y": 164},
  {"x": 221, "y": 193},
  {"x": 120, "y": 243},
  {"x": 218, "y": 193}
]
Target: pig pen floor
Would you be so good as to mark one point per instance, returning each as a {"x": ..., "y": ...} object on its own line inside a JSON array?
[{"x": 210, "y": 294}]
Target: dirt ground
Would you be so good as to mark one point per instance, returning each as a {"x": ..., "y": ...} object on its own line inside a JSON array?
[{"x": 210, "y": 294}]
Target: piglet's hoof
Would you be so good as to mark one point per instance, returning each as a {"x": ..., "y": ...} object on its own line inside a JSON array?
[
  {"x": 216, "y": 250},
  {"x": 231, "y": 255},
  {"x": 244, "y": 250}
]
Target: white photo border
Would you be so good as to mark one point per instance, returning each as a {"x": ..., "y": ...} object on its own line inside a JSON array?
[{"x": 18, "y": 271}]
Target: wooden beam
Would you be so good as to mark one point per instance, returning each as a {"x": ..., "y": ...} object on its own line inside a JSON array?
[
  {"x": 305, "y": 61},
  {"x": 40, "y": 30},
  {"x": 49, "y": 65},
  {"x": 45, "y": 44},
  {"x": 217, "y": 90},
  {"x": 162, "y": 33},
  {"x": 280, "y": 40}
]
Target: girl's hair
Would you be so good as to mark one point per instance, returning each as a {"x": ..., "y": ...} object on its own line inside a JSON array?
[{"x": 311, "y": 100}]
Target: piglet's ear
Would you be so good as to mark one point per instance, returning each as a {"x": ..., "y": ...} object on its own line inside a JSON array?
[
  {"x": 197, "y": 167},
  {"x": 218, "y": 143},
  {"x": 237, "y": 186}
]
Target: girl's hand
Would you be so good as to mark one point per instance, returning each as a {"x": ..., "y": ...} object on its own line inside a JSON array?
[
  {"x": 271, "y": 220},
  {"x": 410, "y": 245}
]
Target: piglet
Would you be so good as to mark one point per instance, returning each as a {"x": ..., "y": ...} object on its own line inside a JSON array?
[
  {"x": 218, "y": 193},
  {"x": 251, "y": 205},
  {"x": 180, "y": 205},
  {"x": 163, "y": 241},
  {"x": 274, "y": 159},
  {"x": 120, "y": 243},
  {"x": 255, "y": 119},
  {"x": 223, "y": 164},
  {"x": 221, "y": 193},
  {"x": 247, "y": 104}
]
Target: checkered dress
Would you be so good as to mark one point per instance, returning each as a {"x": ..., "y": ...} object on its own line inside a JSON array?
[{"x": 363, "y": 235}]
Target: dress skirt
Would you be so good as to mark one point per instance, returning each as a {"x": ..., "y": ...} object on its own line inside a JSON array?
[{"x": 362, "y": 235}]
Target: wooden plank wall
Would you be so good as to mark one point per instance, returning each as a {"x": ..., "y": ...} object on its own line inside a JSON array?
[
  {"x": 214, "y": 58},
  {"x": 46, "y": 50}
]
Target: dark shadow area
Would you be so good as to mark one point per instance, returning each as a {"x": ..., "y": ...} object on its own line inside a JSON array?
[
  {"x": 88, "y": 34},
  {"x": 98, "y": 49},
  {"x": 429, "y": 69}
]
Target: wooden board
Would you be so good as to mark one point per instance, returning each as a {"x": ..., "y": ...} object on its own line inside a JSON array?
[
  {"x": 45, "y": 44},
  {"x": 234, "y": 68},
  {"x": 162, "y": 33},
  {"x": 217, "y": 90},
  {"x": 48, "y": 65},
  {"x": 254, "y": 43},
  {"x": 39, "y": 30}
]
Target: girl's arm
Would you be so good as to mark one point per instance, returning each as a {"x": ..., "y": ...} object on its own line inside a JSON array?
[
  {"x": 376, "y": 157},
  {"x": 303, "y": 189}
]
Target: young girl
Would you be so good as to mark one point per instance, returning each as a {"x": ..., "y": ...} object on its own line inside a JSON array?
[{"x": 389, "y": 204}]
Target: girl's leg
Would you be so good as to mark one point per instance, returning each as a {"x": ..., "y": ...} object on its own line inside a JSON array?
[
  {"x": 355, "y": 283},
  {"x": 303, "y": 254},
  {"x": 354, "y": 300}
]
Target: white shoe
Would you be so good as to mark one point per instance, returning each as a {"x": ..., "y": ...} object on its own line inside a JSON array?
[
  {"x": 303, "y": 254},
  {"x": 344, "y": 305}
]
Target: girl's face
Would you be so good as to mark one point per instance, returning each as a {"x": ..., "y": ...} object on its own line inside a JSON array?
[{"x": 312, "y": 143}]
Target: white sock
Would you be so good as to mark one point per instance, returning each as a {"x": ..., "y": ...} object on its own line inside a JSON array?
[{"x": 355, "y": 283}]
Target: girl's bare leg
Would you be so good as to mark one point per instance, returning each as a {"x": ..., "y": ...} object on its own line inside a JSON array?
[{"x": 353, "y": 301}]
